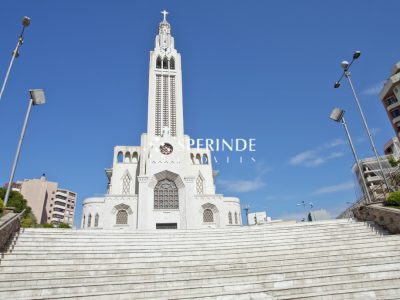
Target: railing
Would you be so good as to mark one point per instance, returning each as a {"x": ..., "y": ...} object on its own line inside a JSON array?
[
  {"x": 377, "y": 193},
  {"x": 9, "y": 228}
]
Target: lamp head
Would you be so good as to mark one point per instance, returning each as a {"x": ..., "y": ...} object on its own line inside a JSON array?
[
  {"x": 345, "y": 64},
  {"x": 356, "y": 54},
  {"x": 337, "y": 84},
  {"x": 26, "y": 21},
  {"x": 337, "y": 114},
  {"x": 37, "y": 96}
]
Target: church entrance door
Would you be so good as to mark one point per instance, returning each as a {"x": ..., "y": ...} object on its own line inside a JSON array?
[{"x": 166, "y": 226}]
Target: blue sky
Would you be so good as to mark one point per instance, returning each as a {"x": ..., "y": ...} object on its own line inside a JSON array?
[{"x": 251, "y": 69}]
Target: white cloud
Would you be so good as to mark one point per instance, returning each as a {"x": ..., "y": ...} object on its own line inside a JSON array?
[
  {"x": 319, "y": 155},
  {"x": 333, "y": 188},
  {"x": 374, "y": 90},
  {"x": 241, "y": 185}
]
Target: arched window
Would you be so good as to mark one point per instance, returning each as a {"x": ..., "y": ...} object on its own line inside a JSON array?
[
  {"x": 230, "y": 218},
  {"x": 158, "y": 63},
  {"x": 127, "y": 157},
  {"x": 208, "y": 216},
  {"x": 192, "y": 157},
  {"x": 122, "y": 217},
  {"x": 135, "y": 157},
  {"x": 96, "y": 220},
  {"x": 166, "y": 195},
  {"x": 89, "y": 220},
  {"x": 236, "y": 218},
  {"x": 165, "y": 63},
  {"x": 204, "y": 159},
  {"x": 126, "y": 184},
  {"x": 172, "y": 63},
  {"x": 83, "y": 223},
  {"x": 120, "y": 157},
  {"x": 198, "y": 159},
  {"x": 199, "y": 185}
]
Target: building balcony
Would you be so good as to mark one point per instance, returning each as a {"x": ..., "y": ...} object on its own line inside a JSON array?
[{"x": 392, "y": 106}]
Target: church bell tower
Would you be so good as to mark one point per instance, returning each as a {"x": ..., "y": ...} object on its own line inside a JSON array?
[{"x": 165, "y": 111}]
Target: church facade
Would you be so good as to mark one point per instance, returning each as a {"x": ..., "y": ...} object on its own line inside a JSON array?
[{"x": 163, "y": 183}]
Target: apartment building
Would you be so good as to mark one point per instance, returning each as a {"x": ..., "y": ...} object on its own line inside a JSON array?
[{"x": 49, "y": 202}]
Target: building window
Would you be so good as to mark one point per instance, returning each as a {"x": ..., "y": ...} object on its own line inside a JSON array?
[
  {"x": 236, "y": 218},
  {"x": 395, "y": 113},
  {"x": 165, "y": 63},
  {"x": 83, "y": 223},
  {"x": 230, "y": 218},
  {"x": 172, "y": 63},
  {"x": 199, "y": 185},
  {"x": 391, "y": 100},
  {"x": 61, "y": 197},
  {"x": 122, "y": 217},
  {"x": 208, "y": 216},
  {"x": 126, "y": 184},
  {"x": 166, "y": 195},
  {"x": 158, "y": 63},
  {"x": 89, "y": 221},
  {"x": 96, "y": 220}
]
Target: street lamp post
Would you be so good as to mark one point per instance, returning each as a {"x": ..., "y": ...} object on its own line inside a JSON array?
[
  {"x": 36, "y": 98},
  {"x": 304, "y": 204},
  {"x": 346, "y": 73},
  {"x": 25, "y": 23},
  {"x": 337, "y": 115}
]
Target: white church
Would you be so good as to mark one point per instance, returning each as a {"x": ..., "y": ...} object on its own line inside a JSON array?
[{"x": 163, "y": 183}]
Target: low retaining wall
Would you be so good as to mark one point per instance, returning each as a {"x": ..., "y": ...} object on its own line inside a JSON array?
[
  {"x": 9, "y": 224},
  {"x": 386, "y": 217}
]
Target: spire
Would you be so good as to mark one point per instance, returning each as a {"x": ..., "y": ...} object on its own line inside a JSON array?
[{"x": 164, "y": 32}]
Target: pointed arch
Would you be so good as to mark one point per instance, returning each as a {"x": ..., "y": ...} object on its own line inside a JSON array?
[
  {"x": 205, "y": 212},
  {"x": 83, "y": 222},
  {"x": 172, "y": 63},
  {"x": 192, "y": 157},
  {"x": 135, "y": 157},
  {"x": 198, "y": 159},
  {"x": 120, "y": 157},
  {"x": 236, "y": 218},
  {"x": 230, "y": 218},
  {"x": 158, "y": 62},
  {"x": 96, "y": 220},
  {"x": 204, "y": 159},
  {"x": 127, "y": 157},
  {"x": 165, "y": 63},
  {"x": 89, "y": 221}
]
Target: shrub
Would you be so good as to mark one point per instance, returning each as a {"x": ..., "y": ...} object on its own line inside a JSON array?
[
  {"x": 393, "y": 199},
  {"x": 1, "y": 205},
  {"x": 392, "y": 161},
  {"x": 64, "y": 225},
  {"x": 27, "y": 222},
  {"x": 47, "y": 225}
]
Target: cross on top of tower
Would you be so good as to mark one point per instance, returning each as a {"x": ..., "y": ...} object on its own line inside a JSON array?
[{"x": 165, "y": 13}]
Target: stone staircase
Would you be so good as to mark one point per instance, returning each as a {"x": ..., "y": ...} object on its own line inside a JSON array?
[{"x": 317, "y": 260}]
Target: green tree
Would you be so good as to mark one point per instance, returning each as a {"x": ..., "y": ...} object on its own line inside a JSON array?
[
  {"x": 1, "y": 206},
  {"x": 15, "y": 200},
  {"x": 393, "y": 199},
  {"x": 392, "y": 161}
]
